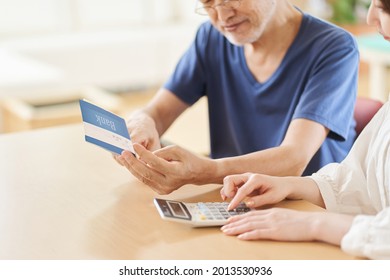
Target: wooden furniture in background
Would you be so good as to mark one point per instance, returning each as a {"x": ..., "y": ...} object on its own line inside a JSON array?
[
  {"x": 375, "y": 51},
  {"x": 51, "y": 107}
]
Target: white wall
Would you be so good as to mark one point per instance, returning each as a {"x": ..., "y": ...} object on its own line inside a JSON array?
[
  {"x": 108, "y": 43},
  {"x": 32, "y": 17}
]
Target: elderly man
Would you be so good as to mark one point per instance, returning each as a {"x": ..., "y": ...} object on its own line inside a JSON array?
[{"x": 281, "y": 87}]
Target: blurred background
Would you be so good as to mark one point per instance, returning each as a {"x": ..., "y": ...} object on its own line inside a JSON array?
[
  {"x": 117, "y": 53},
  {"x": 116, "y": 44}
]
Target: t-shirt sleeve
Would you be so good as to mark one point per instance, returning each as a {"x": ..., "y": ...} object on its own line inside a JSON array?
[
  {"x": 332, "y": 85},
  {"x": 188, "y": 79}
]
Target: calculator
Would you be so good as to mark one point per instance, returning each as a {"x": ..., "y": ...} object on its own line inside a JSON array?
[{"x": 199, "y": 214}]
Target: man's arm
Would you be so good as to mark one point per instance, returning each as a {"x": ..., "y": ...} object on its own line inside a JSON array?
[
  {"x": 302, "y": 141},
  {"x": 148, "y": 124},
  {"x": 168, "y": 169},
  {"x": 164, "y": 108}
]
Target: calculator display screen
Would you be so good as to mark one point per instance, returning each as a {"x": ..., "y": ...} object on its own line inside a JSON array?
[
  {"x": 172, "y": 209},
  {"x": 177, "y": 209}
]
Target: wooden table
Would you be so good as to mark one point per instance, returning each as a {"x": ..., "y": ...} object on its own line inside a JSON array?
[{"x": 63, "y": 198}]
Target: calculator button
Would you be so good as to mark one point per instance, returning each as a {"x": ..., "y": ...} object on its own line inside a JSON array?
[{"x": 216, "y": 210}]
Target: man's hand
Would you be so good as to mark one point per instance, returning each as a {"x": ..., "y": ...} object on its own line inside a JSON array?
[
  {"x": 167, "y": 169},
  {"x": 142, "y": 130}
]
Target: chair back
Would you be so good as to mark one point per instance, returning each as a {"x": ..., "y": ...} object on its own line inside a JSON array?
[{"x": 365, "y": 109}]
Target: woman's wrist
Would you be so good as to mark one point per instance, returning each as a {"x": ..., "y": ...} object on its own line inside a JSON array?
[
  {"x": 304, "y": 188},
  {"x": 329, "y": 227}
]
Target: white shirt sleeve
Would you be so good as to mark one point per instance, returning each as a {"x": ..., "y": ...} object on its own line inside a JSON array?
[
  {"x": 360, "y": 185},
  {"x": 369, "y": 236}
]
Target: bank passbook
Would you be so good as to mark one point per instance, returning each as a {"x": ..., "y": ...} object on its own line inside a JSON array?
[
  {"x": 105, "y": 129},
  {"x": 198, "y": 214}
]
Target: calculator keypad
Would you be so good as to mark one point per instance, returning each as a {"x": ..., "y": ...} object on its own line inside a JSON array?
[{"x": 215, "y": 210}]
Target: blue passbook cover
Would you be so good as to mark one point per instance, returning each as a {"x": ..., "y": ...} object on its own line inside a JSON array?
[{"x": 104, "y": 128}]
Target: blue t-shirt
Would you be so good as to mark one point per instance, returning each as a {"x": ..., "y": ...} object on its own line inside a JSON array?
[{"x": 317, "y": 80}]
